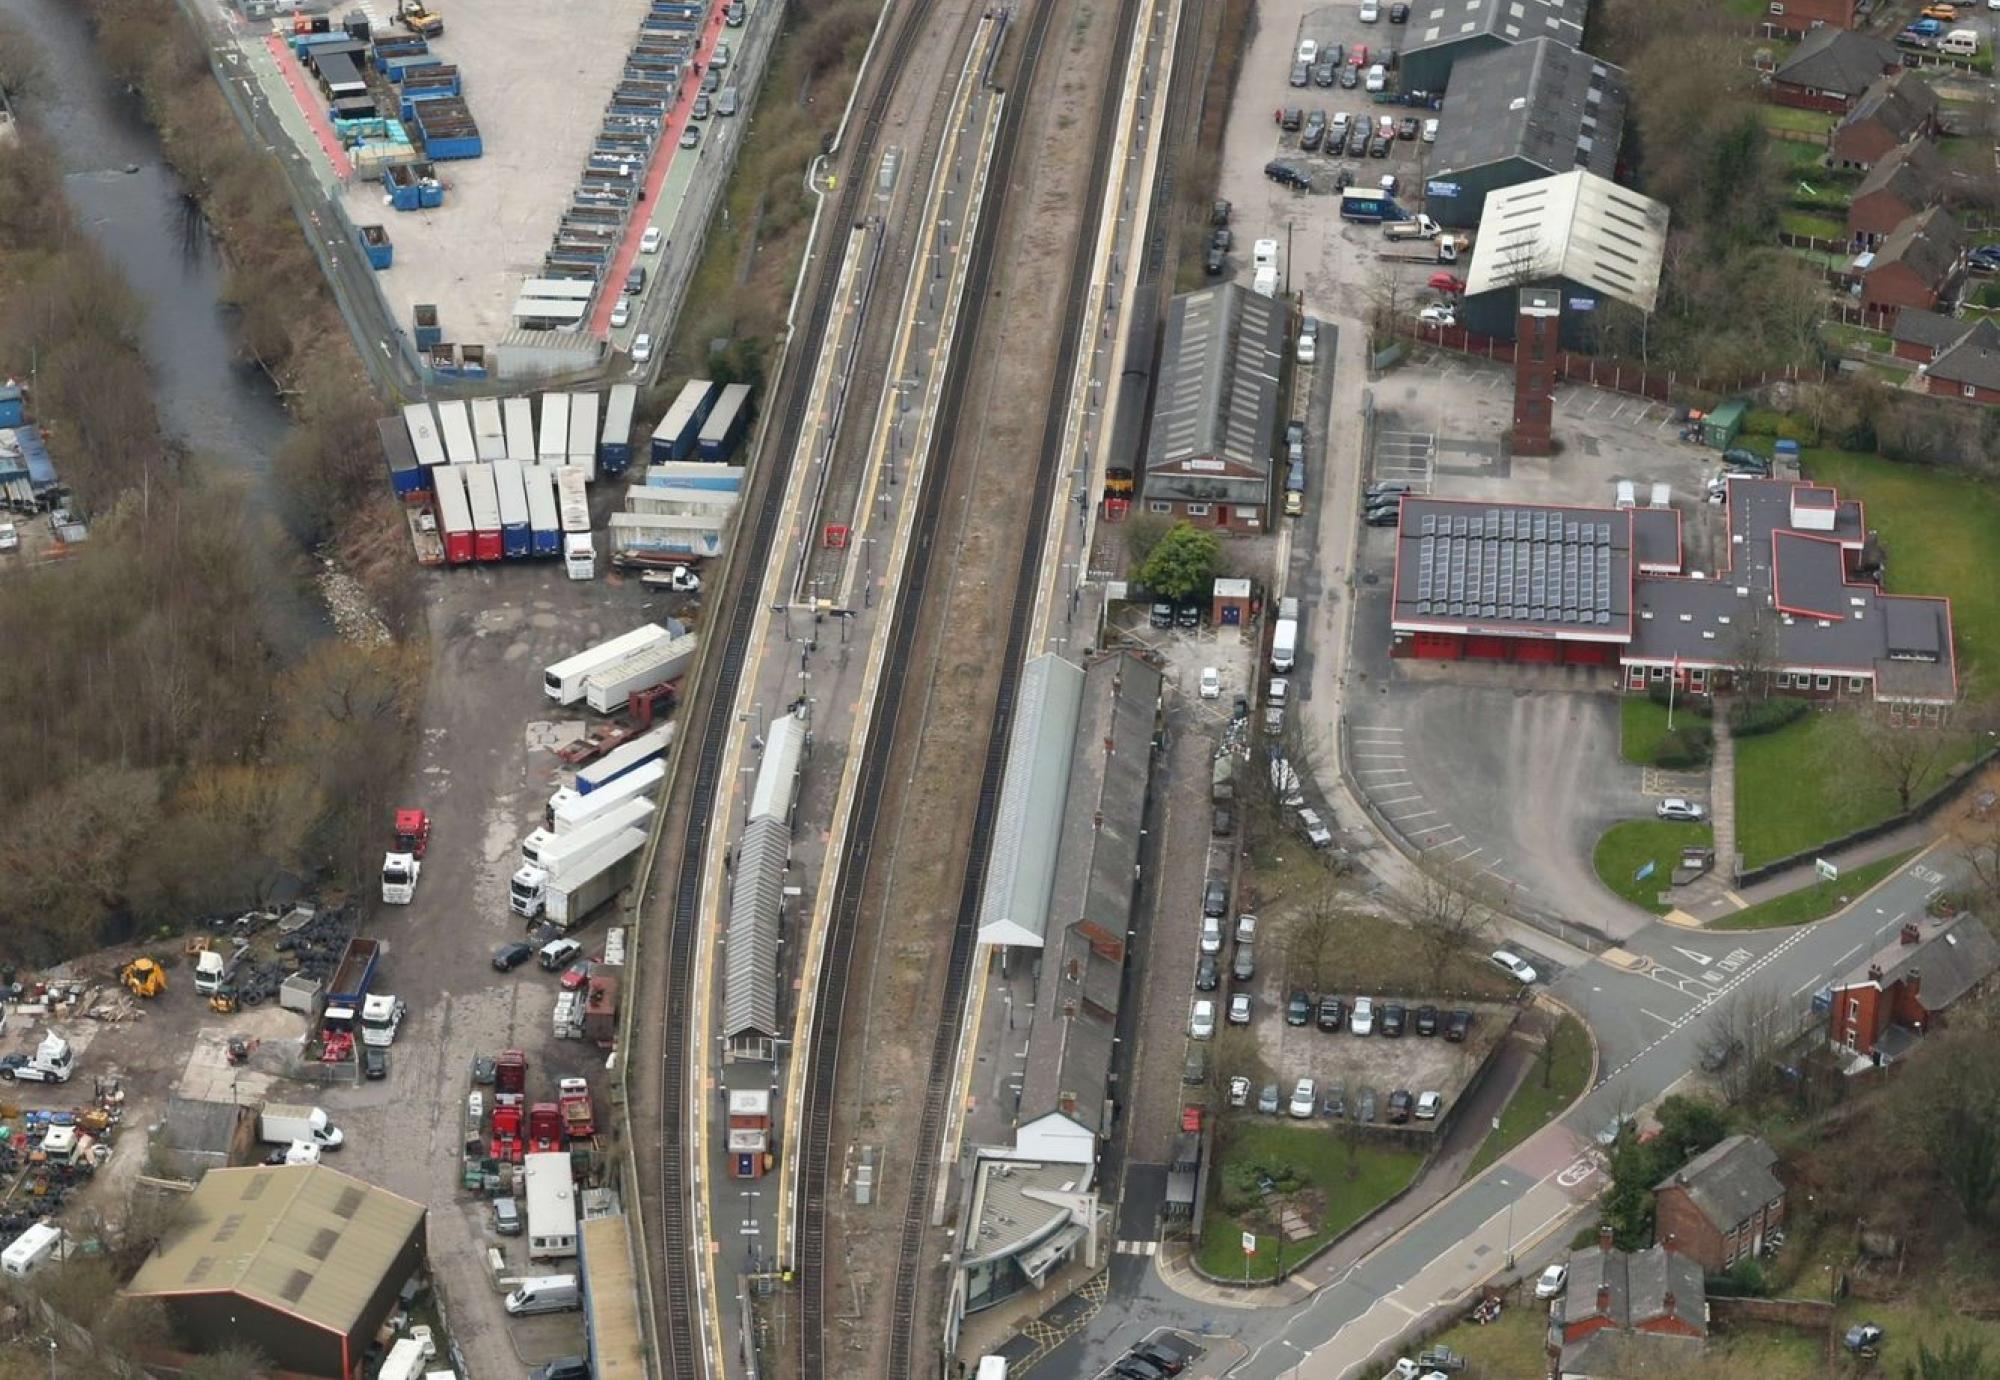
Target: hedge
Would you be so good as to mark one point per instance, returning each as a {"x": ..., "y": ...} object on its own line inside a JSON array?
[
  {"x": 1690, "y": 745},
  {"x": 1683, "y": 701},
  {"x": 1749, "y": 718}
]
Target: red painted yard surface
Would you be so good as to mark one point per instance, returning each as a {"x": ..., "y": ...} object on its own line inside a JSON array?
[{"x": 310, "y": 105}]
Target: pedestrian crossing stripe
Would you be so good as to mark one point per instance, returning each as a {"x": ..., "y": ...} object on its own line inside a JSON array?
[{"x": 1138, "y": 1247}]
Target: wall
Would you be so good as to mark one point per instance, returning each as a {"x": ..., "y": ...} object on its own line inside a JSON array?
[{"x": 1813, "y": 1316}]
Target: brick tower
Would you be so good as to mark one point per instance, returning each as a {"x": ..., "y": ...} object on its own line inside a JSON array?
[{"x": 1535, "y": 347}]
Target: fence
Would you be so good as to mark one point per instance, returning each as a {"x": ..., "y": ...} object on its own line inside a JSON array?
[
  {"x": 1619, "y": 376},
  {"x": 1818, "y": 243},
  {"x": 1814, "y": 1317}
]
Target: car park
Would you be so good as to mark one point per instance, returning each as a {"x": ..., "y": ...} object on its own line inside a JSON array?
[
  {"x": 1457, "y": 1026},
  {"x": 1550, "y": 1284},
  {"x": 511, "y": 956},
  {"x": 1514, "y": 966},
  {"x": 1429, "y": 1104},
  {"x": 1267, "y": 1100},
  {"x": 1298, "y": 1008},
  {"x": 1305, "y": 1099},
  {"x": 1201, "y": 1019},
  {"x": 1207, "y": 973},
  {"x": 1673, "y": 807},
  {"x": 1239, "y": 1008},
  {"x": 1399, "y": 1107},
  {"x": 1239, "y": 1091},
  {"x": 1361, "y": 1021},
  {"x": 1426, "y": 1022},
  {"x": 1393, "y": 1019}
]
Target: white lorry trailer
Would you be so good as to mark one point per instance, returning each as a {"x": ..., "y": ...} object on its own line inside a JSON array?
[
  {"x": 281, "y": 1123},
  {"x": 564, "y": 681},
  {"x": 569, "y": 808},
  {"x": 567, "y": 896},
  {"x": 607, "y": 688},
  {"x": 551, "y": 849}
]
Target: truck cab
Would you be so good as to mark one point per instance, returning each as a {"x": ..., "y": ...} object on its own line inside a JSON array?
[
  {"x": 580, "y": 556},
  {"x": 381, "y": 1017},
  {"x": 52, "y": 1062},
  {"x": 213, "y": 969},
  {"x": 399, "y": 878}
]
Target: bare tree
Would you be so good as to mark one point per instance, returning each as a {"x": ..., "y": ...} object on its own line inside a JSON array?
[
  {"x": 1453, "y": 913},
  {"x": 1281, "y": 765},
  {"x": 1753, "y": 644},
  {"x": 1309, "y": 935},
  {"x": 1740, "y": 1043},
  {"x": 1899, "y": 760},
  {"x": 1975, "y": 828}
]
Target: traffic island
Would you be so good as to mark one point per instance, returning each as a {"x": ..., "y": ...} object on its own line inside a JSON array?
[{"x": 1637, "y": 858}]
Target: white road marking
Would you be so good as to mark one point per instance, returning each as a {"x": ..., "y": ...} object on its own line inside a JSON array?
[
  {"x": 1414, "y": 814},
  {"x": 1696, "y": 956},
  {"x": 1657, "y": 1016}
]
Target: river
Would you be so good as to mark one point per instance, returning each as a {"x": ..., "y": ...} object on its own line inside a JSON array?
[{"x": 156, "y": 236}]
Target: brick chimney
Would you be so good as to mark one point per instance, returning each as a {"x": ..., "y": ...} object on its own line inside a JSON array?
[
  {"x": 1604, "y": 1300},
  {"x": 1667, "y": 1304},
  {"x": 1911, "y": 934},
  {"x": 1874, "y": 972},
  {"x": 1605, "y": 1236},
  {"x": 1068, "y": 1103}
]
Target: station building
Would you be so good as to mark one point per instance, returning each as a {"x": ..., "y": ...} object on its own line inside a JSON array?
[{"x": 1215, "y": 412}]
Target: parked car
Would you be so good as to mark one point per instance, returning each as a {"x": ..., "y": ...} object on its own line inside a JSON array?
[
  {"x": 1243, "y": 963},
  {"x": 1388, "y": 488},
  {"x": 1246, "y": 928},
  {"x": 1315, "y": 130},
  {"x": 1378, "y": 147},
  {"x": 1447, "y": 282},
  {"x": 1673, "y": 807},
  {"x": 1393, "y": 1017},
  {"x": 1308, "y": 51},
  {"x": 642, "y": 348},
  {"x": 1213, "y": 260},
  {"x": 1457, "y": 1026},
  {"x": 1431, "y": 131},
  {"x": 1160, "y": 1356},
  {"x": 650, "y": 240},
  {"x": 1291, "y": 118},
  {"x": 1314, "y": 828},
  {"x": 375, "y": 1061},
  {"x": 1350, "y": 77},
  {"x": 1407, "y": 127},
  {"x": 1437, "y": 314},
  {"x": 1162, "y": 615},
  {"x": 1550, "y": 1284},
  {"x": 1427, "y": 1020},
  {"x": 1298, "y": 1008},
  {"x": 1399, "y": 14},
  {"x": 1364, "y": 1107},
  {"x": 1211, "y": 934},
  {"x": 1218, "y": 214},
  {"x": 1308, "y": 347},
  {"x": 507, "y": 1216},
  {"x": 1370, "y": 11},
  {"x": 1332, "y": 1013},
  {"x": 1737, "y": 460},
  {"x": 690, "y": 136},
  {"x": 1201, "y": 1019},
  {"x": 1295, "y": 440},
  {"x": 1267, "y": 1100},
  {"x": 1187, "y": 616},
  {"x": 1301, "y": 74},
  {"x": 1223, "y": 238},
  {"x": 1361, "y": 1021},
  {"x": 1285, "y": 175},
  {"x": 1383, "y": 517},
  {"x": 1429, "y": 1104},
  {"x": 1334, "y": 1101},
  {"x": 1211, "y": 683},
  {"x": 1239, "y": 1008},
  {"x": 1305, "y": 1099},
  {"x": 1207, "y": 973},
  {"x": 1239, "y": 1091},
  {"x": 1326, "y": 71},
  {"x": 511, "y": 956},
  {"x": 1514, "y": 966},
  {"x": 1222, "y": 821},
  {"x": 1378, "y": 78},
  {"x": 621, "y": 313},
  {"x": 1215, "y": 896},
  {"x": 1399, "y": 1107}
]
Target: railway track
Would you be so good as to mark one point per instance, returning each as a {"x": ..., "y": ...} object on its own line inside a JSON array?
[
  {"x": 825, "y": 1051},
  {"x": 678, "y": 1340}
]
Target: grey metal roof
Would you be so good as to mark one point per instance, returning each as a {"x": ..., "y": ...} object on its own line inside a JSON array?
[
  {"x": 750, "y": 947},
  {"x": 1728, "y": 1181},
  {"x": 1927, "y": 243},
  {"x": 1442, "y": 22},
  {"x": 1542, "y": 101},
  {"x": 1837, "y": 61},
  {"x": 1975, "y": 359},
  {"x": 1950, "y": 959},
  {"x": 1573, "y": 225},
  {"x": 1215, "y": 407},
  {"x": 1012, "y": 1207},
  {"x": 1014, "y": 907},
  {"x": 1513, "y": 567},
  {"x": 303, "y": 1239},
  {"x": 1929, "y": 328},
  {"x": 778, "y": 772}
]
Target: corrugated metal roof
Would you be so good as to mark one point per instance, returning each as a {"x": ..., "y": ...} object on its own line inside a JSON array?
[
  {"x": 304, "y": 1239},
  {"x": 750, "y": 954},
  {"x": 1014, "y": 908},
  {"x": 1217, "y": 396},
  {"x": 617, "y": 1352},
  {"x": 1541, "y": 101},
  {"x": 1577, "y": 226},
  {"x": 778, "y": 774}
]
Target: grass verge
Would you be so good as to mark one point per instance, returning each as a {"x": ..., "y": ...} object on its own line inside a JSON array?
[
  {"x": 1814, "y": 902},
  {"x": 1642, "y": 729},
  {"x": 1624, "y": 850},
  {"x": 1566, "y": 1063},
  {"x": 1339, "y": 1180}
]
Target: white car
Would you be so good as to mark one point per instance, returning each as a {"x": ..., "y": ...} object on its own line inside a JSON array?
[
  {"x": 1239, "y": 1091},
  {"x": 1378, "y": 79},
  {"x": 1429, "y": 1104},
  {"x": 1246, "y": 929},
  {"x": 1201, "y": 1020},
  {"x": 621, "y": 313},
  {"x": 1316, "y": 832},
  {"x": 1305, "y": 1099},
  {"x": 1308, "y": 350},
  {"x": 1437, "y": 314},
  {"x": 1211, "y": 935},
  {"x": 1430, "y": 131},
  {"x": 1308, "y": 51},
  {"x": 1550, "y": 1285},
  {"x": 1370, "y": 11},
  {"x": 649, "y": 243},
  {"x": 642, "y": 348},
  {"x": 1361, "y": 1020},
  {"x": 1673, "y": 807},
  {"x": 1239, "y": 1009},
  {"x": 1211, "y": 683},
  {"x": 1514, "y": 966},
  {"x": 1275, "y": 690}
]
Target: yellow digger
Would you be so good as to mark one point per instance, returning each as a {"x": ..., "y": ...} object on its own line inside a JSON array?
[
  {"x": 143, "y": 977},
  {"x": 418, "y": 19}
]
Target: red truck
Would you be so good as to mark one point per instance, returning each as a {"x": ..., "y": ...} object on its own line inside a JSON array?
[
  {"x": 545, "y": 1127},
  {"x": 506, "y": 1143},
  {"x": 510, "y": 1075},
  {"x": 579, "y": 1116}
]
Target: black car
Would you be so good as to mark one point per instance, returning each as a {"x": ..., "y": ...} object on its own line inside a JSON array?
[
  {"x": 1383, "y": 517},
  {"x": 1739, "y": 461},
  {"x": 1162, "y": 615},
  {"x": 1222, "y": 821},
  {"x": 635, "y": 281},
  {"x": 375, "y": 1061},
  {"x": 1135, "y": 1368},
  {"x": 1332, "y": 1014},
  {"x": 1378, "y": 147},
  {"x": 1407, "y": 127},
  {"x": 1301, "y": 74},
  {"x": 1326, "y": 72},
  {"x": 1218, "y": 214},
  {"x": 1293, "y": 117},
  {"x": 1299, "y": 1009},
  {"x": 1399, "y": 1107},
  {"x": 511, "y": 956},
  {"x": 1285, "y": 175},
  {"x": 1399, "y": 14},
  {"x": 1213, "y": 261},
  {"x": 1223, "y": 238},
  {"x": 1207, "y": 974},
  {"x": 1427, "y": 1020},
  {"x": 1389, "y": 489},
  {"x": 562, "y": 1368},
  {"x": 1393, "y": 1017},
  {"x": 1168, "y": 1361},
  {"x": 482, "y": 1070},
  {"x": 1188, "y": 616},
  {"x": 1457, "y": 1025},
  {"x": 1349, "y": 78},
  {"x": 1215, "y": 897},
  {"x": 1315, "y": 131},
  {"x": 1357, "y": 139}
]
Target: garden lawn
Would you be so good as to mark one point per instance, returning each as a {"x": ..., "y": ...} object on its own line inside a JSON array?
[
  {"x": 1939, "y": 529},
  {"x": 1814, "y": 902},
  {"x": 1806, "y": 223},
  {"x": 1533, "y": 1106},
  {"x": 1855, "y": 337},
  {"x": 1643, "y": 727},
  {"x": 1793, "y": 118},
  {"x": 1625, "y": 848},
  {"x": 1318, "y": 1155}
]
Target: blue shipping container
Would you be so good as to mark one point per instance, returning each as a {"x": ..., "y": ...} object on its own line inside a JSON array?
[
  {"x": 406, "y": 476},
  {"x": 13, "y": 405},
  {"x": 726, "y": 423},
  {"x": 674, "y": 438}
]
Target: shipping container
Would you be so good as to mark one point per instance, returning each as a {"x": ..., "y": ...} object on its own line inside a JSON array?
[
  {"x": 483, "y": 496},
  {"x": 554, "y": 447},
  {"x": 572, "y": 499},
  {"x": 666, "y": 534},
  {"x": 542, "y": 518},
  {"x": 692, "y": 474},
  {"x": 406, "y": 476},
  {"x": 454, "y": 513},
  {"x": 516, "y": 537},
  {"x": 421, "y": 423},
  {"x": 583, "y": 434},
  {"x": 520, "y": 417},
  {"x": 559, "y": 288},
  {"x": 605, "y": 689},
  {"x": 726, "y": 423},
  {"x": 489, "y": 433},
  {"x": 614, "y": 445},
  {"x": 549, "y": 314},
  {"x": 455, "y": 425},
  {"x": 674, "y": 437},
  {"x": 624, "y": 758}
]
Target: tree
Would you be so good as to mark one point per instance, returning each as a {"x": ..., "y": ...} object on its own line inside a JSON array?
[
  {"x": 1899, "y": 760},
  {"x": 1957, "y": 1358},
  {"x": 1182, "y": 563},
  {"x": 1264, "y": 786},
  {"x": 1740, "y": 1041},
  {"x": 1753, "y": 643},
  {"x": 1142, "y": 531},
  {"x": 1309, "y": 936},
  {"x": 1975, "y": 828},
  {"x": 1688, "y": 1126},
  {"x": 1949, "y": 1102},
  {"x": 1453, "y": 913}
]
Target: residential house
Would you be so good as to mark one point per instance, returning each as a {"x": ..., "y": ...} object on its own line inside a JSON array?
[
  {"x": 1970, "y": 369},
  {"x": 1906, "y": 181},
  {"x": 1881, "y": 1009},
  {"x": 1917, "y": 266},
  {"x": 1895, "y": 110},
  {"x": 1921, "y": 336},
  {"x": 1831, "y": 69},
  {"x": 1623, "y": 1305},
  {"x": 1810, "y": 16},
  {"x": 1719, "y": 1206}
]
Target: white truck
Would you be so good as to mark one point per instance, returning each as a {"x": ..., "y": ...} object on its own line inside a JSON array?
[
  {"x": 679, "y": 580},
  {"x": 1284, "y": 645},
  {"x": 381, "y": 1017},
  {"x": 213, "y": 969},
  {"x": 568, "y": 893},
  {"x": 579, "y": 547},
  {"x": 281, "y": 1123},
  {"x": 399, "y": 878},
  {"x": 549, "y": 849},
  {"x": 569, "y": 808},
  {"x": 1422, "y": 227},
  {"x": 52, "y": 1062},
  {"x": 1264, "y": 256},
  {"x": 607, "y": 688}
]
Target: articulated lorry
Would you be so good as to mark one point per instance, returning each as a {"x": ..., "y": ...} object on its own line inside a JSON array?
[
  {"x": 567, "y": 895},
  {"x": 569, "y": 808},
  {"x": 606, "y": 688},
  {"x": 627, "y": 757},
  {"x": 565, "y": 680},
  {"x": 550, "y": 848}
]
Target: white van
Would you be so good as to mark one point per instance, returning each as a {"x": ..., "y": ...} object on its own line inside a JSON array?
[
  {"x": 1960, "y": 43},
  {"x": 31, "y": 1250},
  {"x": 544, "y": 1294}
]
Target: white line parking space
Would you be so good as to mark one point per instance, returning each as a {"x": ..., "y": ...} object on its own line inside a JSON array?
[
  {"x": 1406, "y": 456},
  {"x": 1376, "y": 757}
]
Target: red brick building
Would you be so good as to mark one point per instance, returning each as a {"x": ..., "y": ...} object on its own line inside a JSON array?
[
  {"x": 1831, "y": 69},
  {"x": 1803, "y": 16},
  {"x": 1970, "y": 368},
  {"x": 1921, "y": 336},
  {"x": 1719, "y": 1206},
  {"x": 1917, "y": 266},
  {"x": 1894, "y": 111},
  {"x": 1879, "y": 1012},
  {"x": 1619, "y": 1305},
  {"x": 1907, "y": 181},
  {"x": 1215, "y": 417}
]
